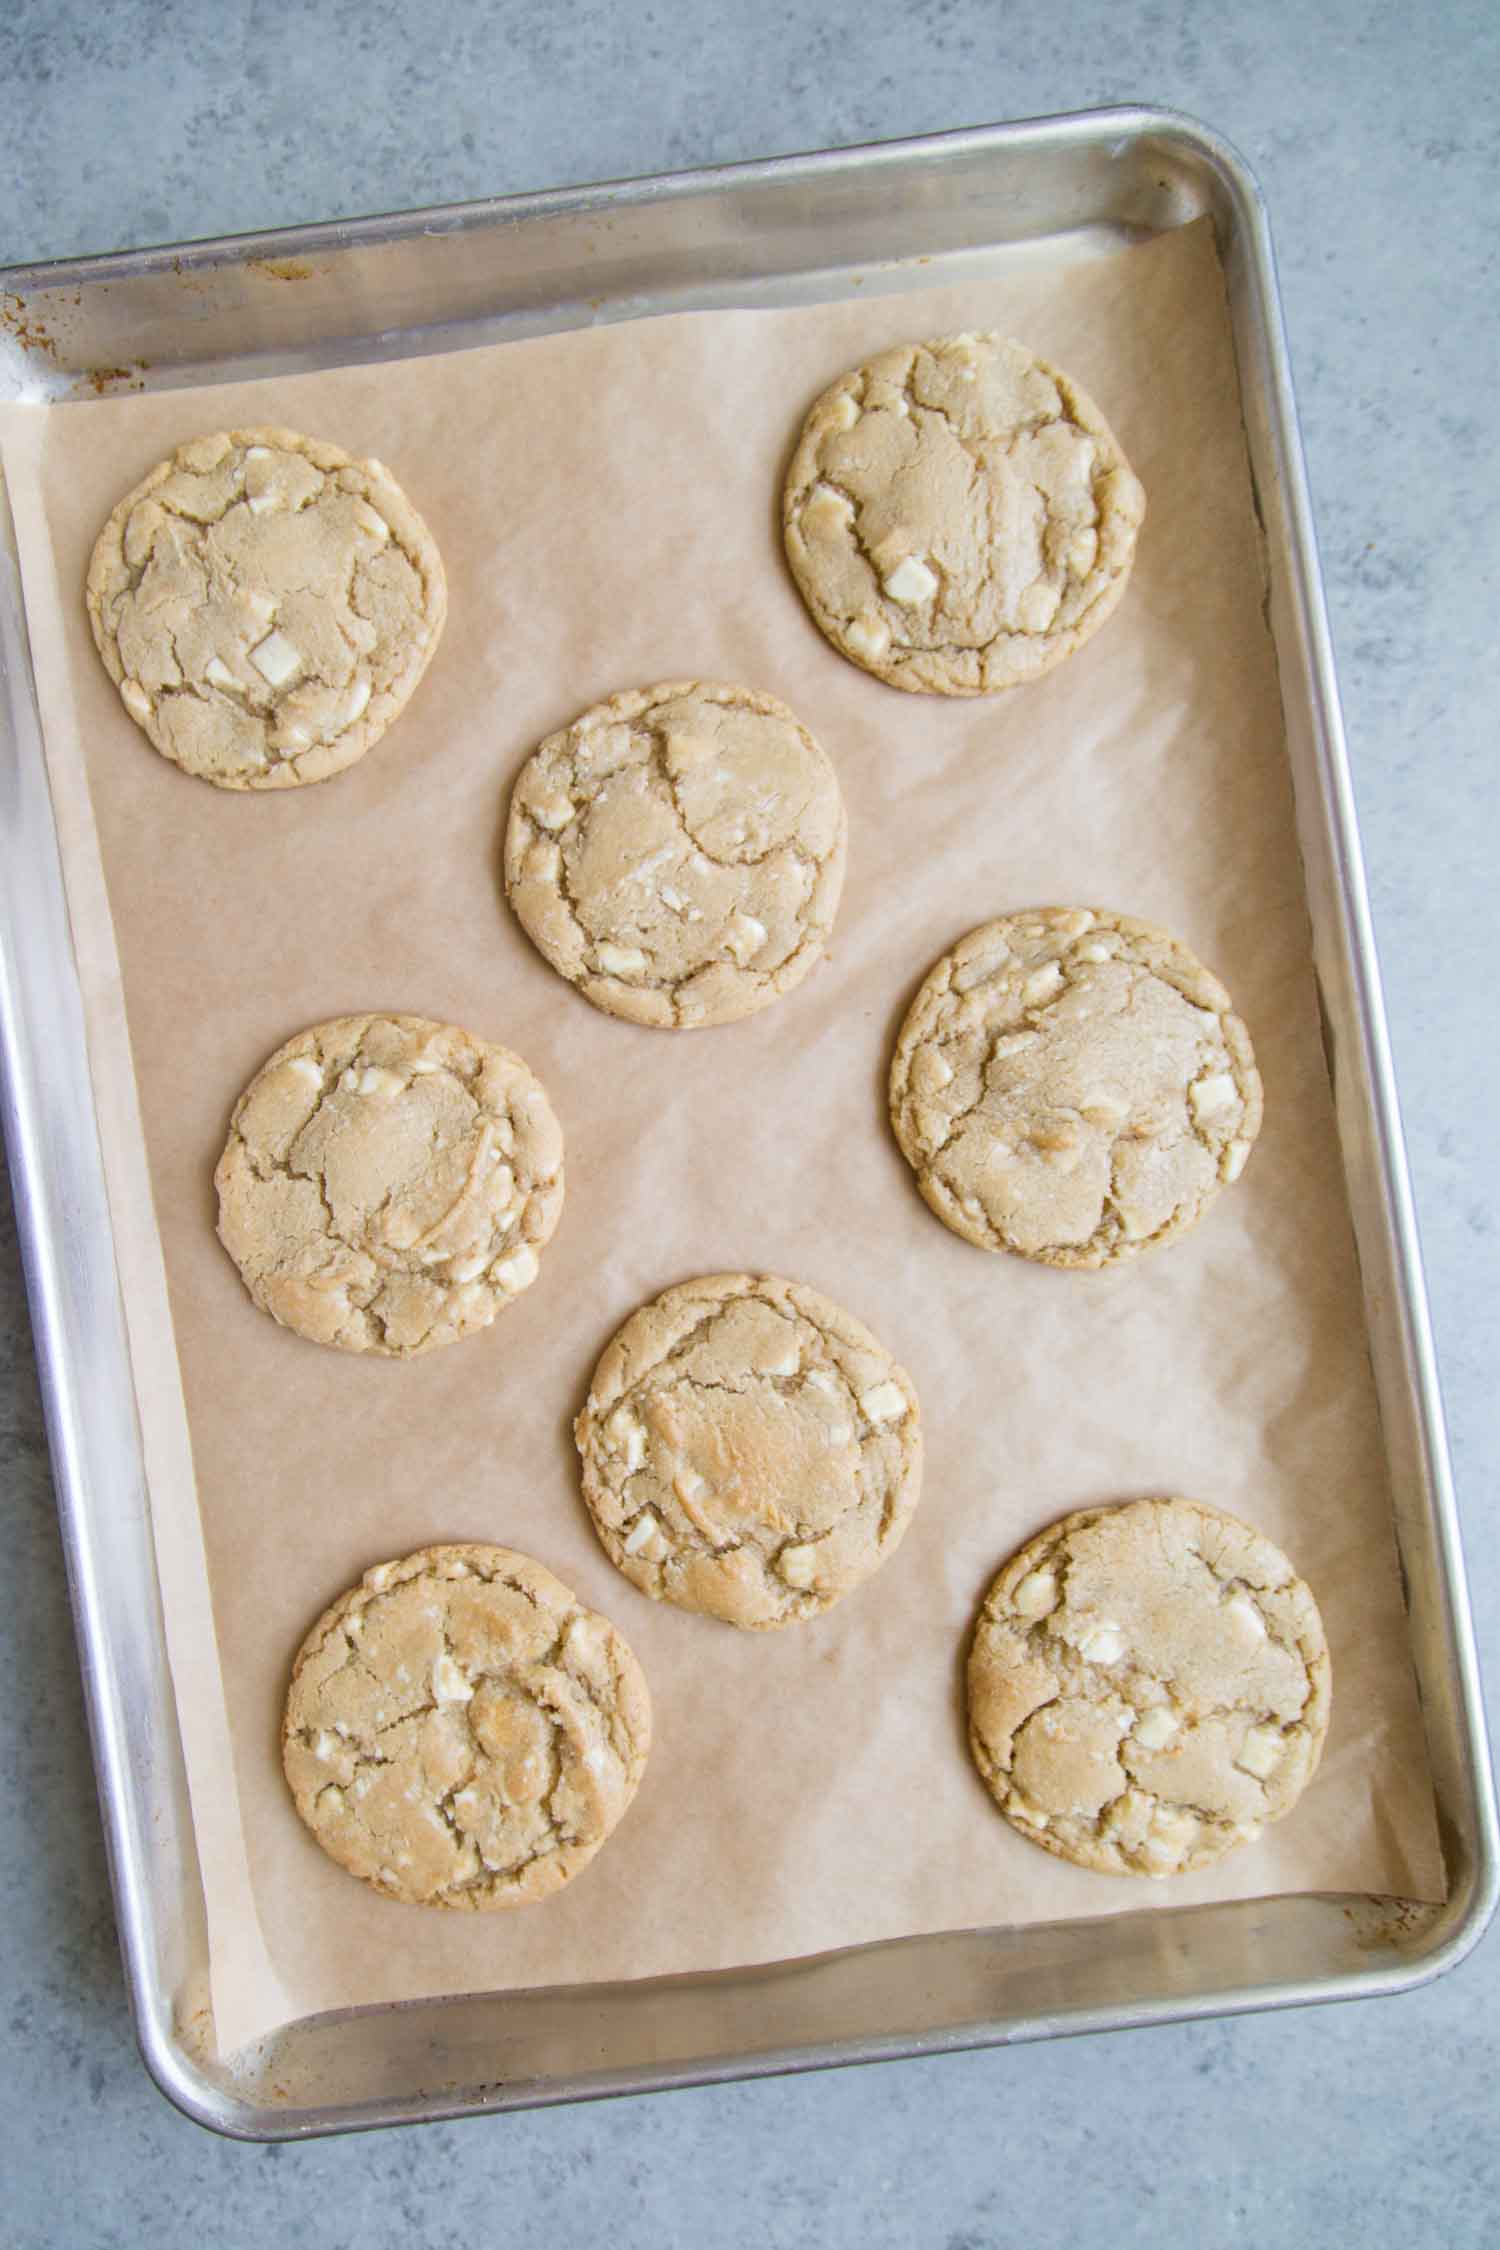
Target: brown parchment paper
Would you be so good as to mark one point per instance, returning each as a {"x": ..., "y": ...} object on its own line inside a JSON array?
[{"x": 606, "y": 503}]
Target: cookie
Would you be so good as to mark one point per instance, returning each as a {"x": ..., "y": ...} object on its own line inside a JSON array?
[
  {"x": 388, "y": 1183},
  {"x": 1073, "y": 1086},
  {"x": 266, "y": 606},
  {"x": 959, "y": 516},
  {"x": 461, "y": 1731},
  {"x": 1148, "y": 1685},
  {"x": 678, "y": 852},
  {"x": 749, "y": 1450}
]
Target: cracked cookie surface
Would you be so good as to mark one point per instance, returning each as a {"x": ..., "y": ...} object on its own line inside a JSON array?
[
  {"x": 678, "y": 852},
  {"x": 265, "y": 606},
  {"x": 1072, "y": 1086},
  {"x": 388, "y": 1183},
  {"x": 1148, "y": 1685},
  {"x": 749, "y": 1450},
  {"x": 958, "y": 516},
  {"x": 460, "y": 1731}
]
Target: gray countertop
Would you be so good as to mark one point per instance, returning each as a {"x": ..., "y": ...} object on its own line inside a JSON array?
[{"x": 1373, "y": 130}]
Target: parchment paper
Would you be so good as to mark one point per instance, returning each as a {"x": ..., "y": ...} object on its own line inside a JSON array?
[{"x": 607, "y": 506}]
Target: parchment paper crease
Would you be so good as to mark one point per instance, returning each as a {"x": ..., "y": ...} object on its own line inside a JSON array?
[{"x": 606, "y": 503}]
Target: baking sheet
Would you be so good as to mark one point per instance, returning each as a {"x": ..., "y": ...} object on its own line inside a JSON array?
[{"x": 606, "y": 504}]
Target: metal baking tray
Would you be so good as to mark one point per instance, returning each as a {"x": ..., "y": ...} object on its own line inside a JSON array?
[{"x": 792, "y": 230}]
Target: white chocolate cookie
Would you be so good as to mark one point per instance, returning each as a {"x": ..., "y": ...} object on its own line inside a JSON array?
[
  {"x": 265, "y": 606},
  {"x": 461, "y": 1731},
  {"x": 1148, "y": 1686},
  {"x": 749, "y": 1450},
  {"x": 1073, "y": 1086},
  {"x": 959, "y": 516},
  {"x": 388, "y": 1183},
  {"x": 678, "y": 852}
]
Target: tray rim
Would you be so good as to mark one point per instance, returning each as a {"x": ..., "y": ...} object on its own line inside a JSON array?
[{"x": 169, "y": 2057}]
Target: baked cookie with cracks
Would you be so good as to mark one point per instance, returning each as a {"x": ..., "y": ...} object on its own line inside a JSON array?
[
  {"x": 749, "y": 1450},
  {"x": 1073, "y": 1086},
  {"x": 266, "y": 606},
  {"x": 1148, "y": 1686},
  {"x": 461, "y": 1731},
  {"x": 677, "y": 853},
  {"x": 389, "y": 1183},
  {"x": 958, "y": 516}
]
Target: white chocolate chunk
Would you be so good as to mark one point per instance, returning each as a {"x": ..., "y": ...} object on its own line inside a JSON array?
[
  {"x": 644, "y": 1536},
  {"x": 1037, "y": 607},
  {"x": 1232, "y": 1162},
  {"x": 219, "y": 675},
  {"x": 1261, "y": 1752},
  {"x": 379, "y": 1577},
  {"x": 1105, "y": 1109},
  {"x": 837, "y": 1434},
  {"x": 798, "y": 1565},
  {"x": 516, "y": 1272},
  {"x": 621, "y": 960},
  {"x": 978, "y": 966},
  {"x": 553, "y": 813},
  {"x": 584, "y": 1642},
  {"x": 628, "y": 1435},
  {"x": 330, "y": 1800},
  {"x": 1156, "y": 1727},
  {"x": 1041, "y": 984},
  {"x": 467, "y": 1269},
  {"x": 1247, "y": 1620},
  {"x": 1211, "y": 1096},
  {"x": 135, "y": 699},
  {"x": 276, "y": 659},
  {"x": 911, "y": 582},
  {"x": 869, "y": 637},
  {"x": 886, "y": 1402},
  {"x": 827, "y": 511},
  {"x": 931, "y": 1071},
  {"x": 1018, "y": 1809},
  {"x": 306, "y": 1068},
  {"x": 1082, "y": 552},
  {"x": 820, "y": 1380},
  {"x": 325, "y": 1745},
  {"x": 1102, "y": 1644},
  {"x": 356, "y": 701},
  {"x": 378, "y": 1081},
  {"x": 1036, "y": 1596},
  {"x": 842, "y": 413},
  {"x": 745, "y": 937},
  {"x": 450, "y": 1682}
]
